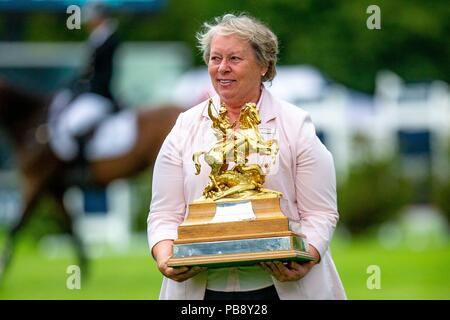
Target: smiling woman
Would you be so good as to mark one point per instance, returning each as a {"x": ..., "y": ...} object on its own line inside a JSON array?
[
  {"x": 241, "y": 54},
  {"x": 233, "y": 69}
]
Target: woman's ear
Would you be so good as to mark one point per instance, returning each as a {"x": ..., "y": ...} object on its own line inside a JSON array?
[{"x": 264, "y": 71}]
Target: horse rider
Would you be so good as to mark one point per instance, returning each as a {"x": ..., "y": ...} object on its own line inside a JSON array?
[
  {"x": 102, "y": 44},
  {"x": 89, "y": 100}
]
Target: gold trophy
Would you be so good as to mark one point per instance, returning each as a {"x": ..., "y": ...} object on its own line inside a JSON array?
[{"x": 237, "y": 221}]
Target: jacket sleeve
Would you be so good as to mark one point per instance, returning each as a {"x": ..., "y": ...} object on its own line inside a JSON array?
[
  {"x": 167, "y": 207},
  {"x": 103, "y": 67},
  {"x": 315, "y": 185}
]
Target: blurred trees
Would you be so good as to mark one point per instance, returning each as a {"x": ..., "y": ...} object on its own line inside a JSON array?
[
  {"x": 374, "y": 192},
  {"x": 331, "y": 35}
]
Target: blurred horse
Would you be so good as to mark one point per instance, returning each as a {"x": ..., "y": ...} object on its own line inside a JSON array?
[{"x": 23, "y": 116}]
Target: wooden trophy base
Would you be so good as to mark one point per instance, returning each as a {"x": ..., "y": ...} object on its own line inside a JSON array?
[{"x": 237, "y": 233}]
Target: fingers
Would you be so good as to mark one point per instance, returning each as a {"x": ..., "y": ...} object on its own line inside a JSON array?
[
  {"x": 162, "y": 252},
  {"x": 293, "y": 265},
  {"x": 276, "y": 271},
  {"x": 192, "y": 272},
  {"x": 179, "y": 273},
  {"x": 283, "y": 273},
  {"x": 175, "y": 271},
  {"x": 182, "y": 273},
  {"x": 290, "y": 271}
]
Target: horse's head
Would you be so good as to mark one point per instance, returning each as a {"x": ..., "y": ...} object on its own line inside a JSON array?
[{"x": 249, "y": 117}]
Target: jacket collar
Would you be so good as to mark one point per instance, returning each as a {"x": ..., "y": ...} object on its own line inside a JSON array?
[{"x": 266, "y": 106}]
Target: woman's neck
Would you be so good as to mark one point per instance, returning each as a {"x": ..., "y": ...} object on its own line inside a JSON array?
[
  {"x": 234, "y": 109},
  {"x": 233, "y": 114}
]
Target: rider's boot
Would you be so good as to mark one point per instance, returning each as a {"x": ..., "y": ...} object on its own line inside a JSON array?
[{"x": 81, "y": 172}]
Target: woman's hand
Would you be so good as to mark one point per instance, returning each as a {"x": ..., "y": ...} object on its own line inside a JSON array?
[
  {"x": 291, "y": 271},
  {"x": 178, "y": 274},
  {"x": 162, "y": 252}
]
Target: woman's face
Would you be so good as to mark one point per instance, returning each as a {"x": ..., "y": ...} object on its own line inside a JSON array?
[{"x": 234, "y": 70}]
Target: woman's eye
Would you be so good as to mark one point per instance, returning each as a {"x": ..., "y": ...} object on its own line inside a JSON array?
[
  {"x": 215, "y": 59},
  {"x": 234, "y": 58}
]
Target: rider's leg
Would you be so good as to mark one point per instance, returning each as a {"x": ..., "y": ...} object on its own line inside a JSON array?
[{"x": 91, "y": 110}]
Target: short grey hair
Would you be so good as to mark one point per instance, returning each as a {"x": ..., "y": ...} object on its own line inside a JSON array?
[{"x": 263, "y": 41}]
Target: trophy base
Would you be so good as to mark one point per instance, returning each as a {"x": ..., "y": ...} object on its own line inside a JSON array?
[
  {"x": 237, "y": 233},
  {"x": 243, "y": 252}
]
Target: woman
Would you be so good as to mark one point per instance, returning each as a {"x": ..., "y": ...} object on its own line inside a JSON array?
[{"x": 241, "y": 54}]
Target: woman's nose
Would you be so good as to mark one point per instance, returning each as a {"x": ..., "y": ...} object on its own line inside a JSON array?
[{"x": 223, "y": 66}]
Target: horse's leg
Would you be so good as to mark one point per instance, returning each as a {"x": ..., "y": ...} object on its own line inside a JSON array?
[
  {"x": 264, "y": 190},
  {"x": 215, "y": 185},
  {"x": 223, "y": 168},
  {"x": 31, "y": 195},
  {"x": 236, "y": 189},
  {"x": 67, "y": 224},
  {"x": 195, "y": 158}
]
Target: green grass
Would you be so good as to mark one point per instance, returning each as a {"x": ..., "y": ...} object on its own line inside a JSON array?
[
  {"x": 35, "y": 276},
  {"x": 405, "y": 274}
]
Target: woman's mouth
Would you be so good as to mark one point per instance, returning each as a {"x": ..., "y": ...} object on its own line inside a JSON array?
[{"x": 225, "y": 82}]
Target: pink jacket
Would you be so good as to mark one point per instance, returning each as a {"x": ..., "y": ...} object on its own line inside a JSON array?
[{"x": 304, "y": 174}]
